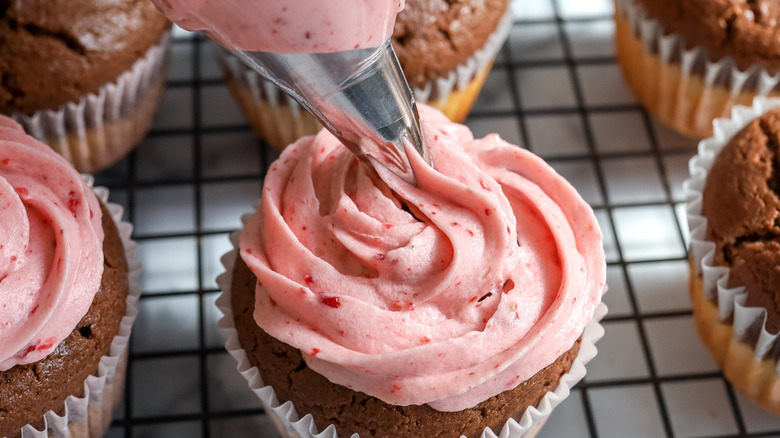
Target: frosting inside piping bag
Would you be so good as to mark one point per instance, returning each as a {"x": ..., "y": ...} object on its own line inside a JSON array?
[{"x": 301, "y": 26}]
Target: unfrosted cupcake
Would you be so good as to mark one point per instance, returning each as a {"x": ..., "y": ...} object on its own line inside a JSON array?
[
  {"x": 68, "y": 293},
  {"x": 735, "y": 284},
  {"x": 83, "y": 76},
  {"x": 463, "y": 305},
  {"x": 690, "y": 61},
  {"x": 446, "y": 49}
]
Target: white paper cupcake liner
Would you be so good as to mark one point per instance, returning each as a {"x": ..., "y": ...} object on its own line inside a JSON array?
[
  {"x": 290, "y": 424},
  {"x": 438, "y": 90},
  {"x": 670, "y": 48},
  {"x": 102, "y": 127},
  {"x": 89, "y": 416},
  {"x": 749, "y": 322}
]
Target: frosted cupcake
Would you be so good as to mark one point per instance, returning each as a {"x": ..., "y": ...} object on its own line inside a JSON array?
[
  {"x": 690, "y": 61},
  {"x": 446, "y": 49},
  {"x": 68, "y": 293},
  {"x": 83, "y": 76},
  {"x": 732, "y": 211},
  {"x": 464, "y": 305}
]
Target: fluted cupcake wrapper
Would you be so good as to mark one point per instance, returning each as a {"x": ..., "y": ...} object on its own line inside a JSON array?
[
  {"x": 735, "y": 334},
  {"x": 281, "y": 120},
  {"x": 90, "y": 416},
  {"x": 681, "y": 85},
  {"x": 293, "y": 424},
  {"x": 103, "y": 127}
]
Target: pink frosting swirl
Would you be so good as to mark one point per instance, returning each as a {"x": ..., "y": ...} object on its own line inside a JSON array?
[
  {"x": 51, "y": 254},
  {"x": 445, "y": 293}
]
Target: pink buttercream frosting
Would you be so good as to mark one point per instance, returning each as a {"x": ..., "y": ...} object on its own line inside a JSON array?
[
  {"x": 300, "y": 26},
  {"x": 51, "y": 254},
  {"x": 445, "y": 293}
]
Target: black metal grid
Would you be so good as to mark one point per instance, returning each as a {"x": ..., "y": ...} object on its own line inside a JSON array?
[{"x": 204, "y": 406}]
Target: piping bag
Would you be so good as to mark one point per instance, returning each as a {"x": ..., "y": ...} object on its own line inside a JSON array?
[{"x": 333, "y": 56}]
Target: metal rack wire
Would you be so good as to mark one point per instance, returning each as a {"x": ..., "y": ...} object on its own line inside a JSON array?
[{"x": 555, "y": 90}]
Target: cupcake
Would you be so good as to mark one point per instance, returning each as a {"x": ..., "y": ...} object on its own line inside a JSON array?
[
  {"x": 83, "y": 76},
  {"x": 67, "y": 284},
  {"x": 690, "y": 61},
  {"x": 464, "y": 305},
  {"x": 732, "y": 213},
  {"x": 446, "y": 49}
]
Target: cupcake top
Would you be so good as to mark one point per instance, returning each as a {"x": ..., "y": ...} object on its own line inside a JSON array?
[
  {"x": 742, "y": 206},
  {"x": 432, "y": 37},
  {"x": 51, "y": 256},
  {"x": 55, "y": 51},
  {"x": 445, "y": 293},
  {"x": 743, "y": 30}
]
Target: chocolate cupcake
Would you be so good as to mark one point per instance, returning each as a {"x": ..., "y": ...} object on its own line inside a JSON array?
[
  {"x": 371, "y": 306},
  {"x": 689, "y": 62},
  {"x": 446, "y": 50},
  {"x": 83, "y": 76},
  {"x": 69, "y": 287},
  {"x": 733, "y": 209},
  {"x": 283, "y": 368}
]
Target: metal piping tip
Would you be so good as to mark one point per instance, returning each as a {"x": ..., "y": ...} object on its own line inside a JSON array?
[{"x": 361, "y": 96}]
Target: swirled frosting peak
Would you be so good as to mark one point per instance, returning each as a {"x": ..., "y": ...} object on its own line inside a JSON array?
[
  {"x": 443, "y": 293},
  {"x": 51, "y": 255}
]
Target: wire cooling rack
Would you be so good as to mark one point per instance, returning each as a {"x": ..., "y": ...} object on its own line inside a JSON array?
[{"x": 556, "y": 90}]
